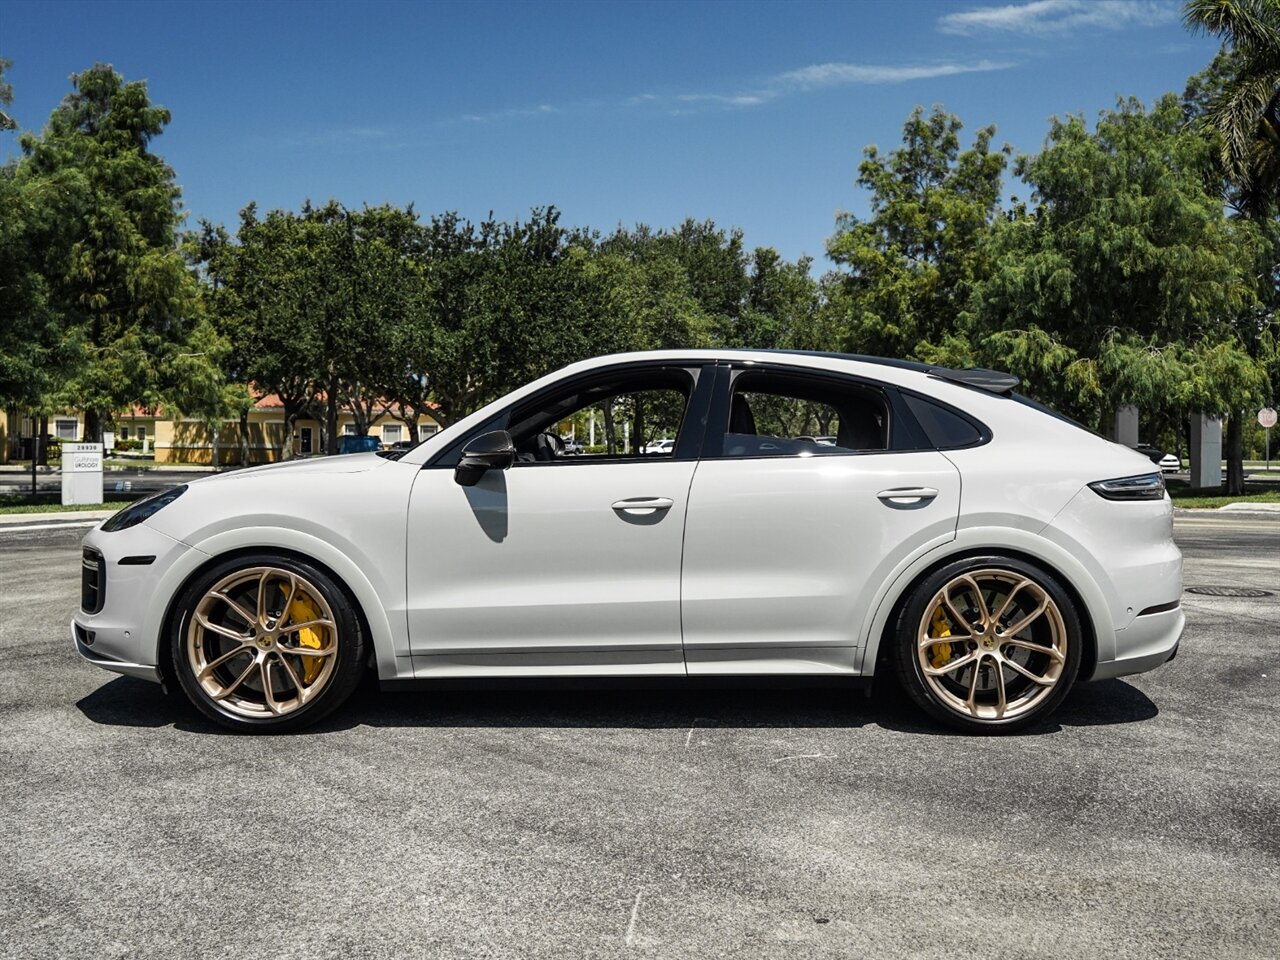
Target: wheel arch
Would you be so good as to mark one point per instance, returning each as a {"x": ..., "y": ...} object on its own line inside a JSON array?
[
  {"x": 359, "y": 592},
  {"x": 879, "y": 640}
]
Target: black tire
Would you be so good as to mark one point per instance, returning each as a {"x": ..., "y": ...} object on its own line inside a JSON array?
[
  {"x": 968, "y": 696},
  {"x": 201, "y": 644}
]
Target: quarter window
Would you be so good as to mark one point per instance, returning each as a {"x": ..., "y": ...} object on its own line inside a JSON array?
[{"x": 945, "y": 429}]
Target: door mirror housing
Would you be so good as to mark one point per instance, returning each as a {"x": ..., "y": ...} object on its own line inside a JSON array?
[{"x": 489, "y": 451}]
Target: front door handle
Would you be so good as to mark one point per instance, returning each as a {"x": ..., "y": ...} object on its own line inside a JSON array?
[
  {"x": 905, "y": 496},
  {"x": 643, "y": 505}
]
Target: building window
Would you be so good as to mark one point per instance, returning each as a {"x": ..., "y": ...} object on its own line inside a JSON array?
[
  {"x": 124, "y": 433},
  {"x": 390, "y": 434},
  {"x": 66, "y": 429},
  {"x": 304, "y": 441},
  {"x": 348, "y": 429},
  {"x": 426, "y": 430}
]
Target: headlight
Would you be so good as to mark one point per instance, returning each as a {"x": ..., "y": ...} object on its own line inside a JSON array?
[
  {"x": 1148, "y": 486},
  {"x": 135, "y": 513}
]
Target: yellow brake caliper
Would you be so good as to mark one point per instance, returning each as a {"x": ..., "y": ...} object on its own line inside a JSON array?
[
  {"x": 939, "y": 629},
  {"x": 300, "y": 611}
]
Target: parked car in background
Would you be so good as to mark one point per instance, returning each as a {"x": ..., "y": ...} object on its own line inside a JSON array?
[
  {"x": 572, "y": 446},
  {"x": 1167, "y": 462},
  {"x": 352, "y": 443},
  {"x": 729, "y": 548}
]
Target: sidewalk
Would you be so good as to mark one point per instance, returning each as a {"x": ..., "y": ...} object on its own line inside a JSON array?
[{"x": 144, "y": 465}]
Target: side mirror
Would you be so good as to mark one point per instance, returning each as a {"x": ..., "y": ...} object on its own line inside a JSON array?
[{"x": 489, "y": 451}]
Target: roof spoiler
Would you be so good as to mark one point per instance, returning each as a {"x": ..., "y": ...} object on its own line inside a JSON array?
[{"x": 993, "y": 381}]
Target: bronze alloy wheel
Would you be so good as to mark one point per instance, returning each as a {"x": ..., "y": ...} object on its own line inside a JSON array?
[
  {"x": 991, "y": 646},
  {"x": 267, "y": 643}
]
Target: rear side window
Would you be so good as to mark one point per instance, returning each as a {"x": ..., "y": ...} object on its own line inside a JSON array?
[
  {"x": 789, "y": 415},
  {"x": 944, "y": 428}
]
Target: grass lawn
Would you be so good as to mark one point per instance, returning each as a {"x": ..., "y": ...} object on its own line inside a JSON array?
[{"x": 1204, "y": 499}]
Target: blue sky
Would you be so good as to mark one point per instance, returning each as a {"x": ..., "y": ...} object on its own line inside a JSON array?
[{"x": 751, "y": 114}]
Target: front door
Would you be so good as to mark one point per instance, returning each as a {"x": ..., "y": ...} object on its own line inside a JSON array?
[{"x": 568, "y": 562}]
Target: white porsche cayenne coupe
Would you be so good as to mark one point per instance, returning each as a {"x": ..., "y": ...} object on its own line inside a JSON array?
[{"x": 982, "y": 548}]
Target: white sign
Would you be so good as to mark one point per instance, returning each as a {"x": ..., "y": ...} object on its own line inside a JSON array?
[
  {"x": 81, "y": 473},
  {"x": 1267, "y": 417},
  {"x": 81, "y": 457}
]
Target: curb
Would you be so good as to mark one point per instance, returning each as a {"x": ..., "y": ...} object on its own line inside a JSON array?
[{"x": 1235, "y": 511}]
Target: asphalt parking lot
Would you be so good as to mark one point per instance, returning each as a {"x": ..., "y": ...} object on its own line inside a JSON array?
[{"x": 1143, "y": 821}]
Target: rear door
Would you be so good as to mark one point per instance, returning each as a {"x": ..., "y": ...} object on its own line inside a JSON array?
[{"x": 788, "y": 540}]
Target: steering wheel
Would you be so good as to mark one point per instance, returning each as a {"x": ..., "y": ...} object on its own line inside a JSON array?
[{"x": 548, "y": 445}]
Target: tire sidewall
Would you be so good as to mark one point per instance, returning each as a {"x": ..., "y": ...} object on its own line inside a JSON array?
[
  {"x": 350, "y": 654},
  {"x": 907, "y": 662}
]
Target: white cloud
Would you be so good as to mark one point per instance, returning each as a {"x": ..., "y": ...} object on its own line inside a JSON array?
[
  {"x": 541, "y": 110},
  {"x": 835, "y": 74},
  {"x": 1060, "y": 16},
  {"x": 822, "y": 75},
  {"x": 817, "y": 76}
]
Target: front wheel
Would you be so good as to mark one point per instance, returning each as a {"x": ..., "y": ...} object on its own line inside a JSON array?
[
  {"x": 988, "y": 644},
  {"x": 266, "y": 643}
]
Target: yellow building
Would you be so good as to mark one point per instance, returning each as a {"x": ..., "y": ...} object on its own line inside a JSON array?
[{"x": 192, "y": 441}]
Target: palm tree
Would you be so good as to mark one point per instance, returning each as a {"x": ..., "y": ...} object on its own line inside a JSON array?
[
  {"x": 1241, "y": 104},
  {"x": 1246, "y": 110}
]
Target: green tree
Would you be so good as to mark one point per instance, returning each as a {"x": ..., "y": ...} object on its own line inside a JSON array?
[
  {"x": 116, "y": 278},
  {"x": 1118, "y": 284},
  {"x": 1236, "y": 100},
  {"x": 912, "y": 265},
  {"x": 1244, "y": 108}
]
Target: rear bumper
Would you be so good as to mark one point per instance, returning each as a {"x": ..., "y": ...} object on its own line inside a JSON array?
[{"x": 1145, "y": 644}]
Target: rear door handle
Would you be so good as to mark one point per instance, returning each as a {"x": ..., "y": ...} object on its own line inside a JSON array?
[
  {"x": 907, "y": 495},
  {"x": 640, "y": 505}
]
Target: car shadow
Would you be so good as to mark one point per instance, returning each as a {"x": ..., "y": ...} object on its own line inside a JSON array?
[{"x": 127, "y": 702}]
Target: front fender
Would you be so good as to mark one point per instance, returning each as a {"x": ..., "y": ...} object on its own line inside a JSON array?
[{"x": 383, "y": 610}]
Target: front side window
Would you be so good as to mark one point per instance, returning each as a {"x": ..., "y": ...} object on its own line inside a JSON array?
[
  {"x": 786, "y": 415},
  {"x": 626, "y": 417}
]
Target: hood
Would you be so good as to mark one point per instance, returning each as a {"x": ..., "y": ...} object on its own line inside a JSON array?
[{"x": 345, "y": 463}]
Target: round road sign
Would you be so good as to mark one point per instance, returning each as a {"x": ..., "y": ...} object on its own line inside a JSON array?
[{"x": 1267, "y": 417}]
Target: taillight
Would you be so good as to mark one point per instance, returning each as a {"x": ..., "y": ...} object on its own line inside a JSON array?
[{"x": 1147, "y": 486}]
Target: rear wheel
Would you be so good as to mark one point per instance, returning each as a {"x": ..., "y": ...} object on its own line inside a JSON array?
[
  {"x": 266, "y": 643},
  {"x": 988, "y": 644}
]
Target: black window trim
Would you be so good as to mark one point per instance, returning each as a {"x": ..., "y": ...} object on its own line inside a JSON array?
[{"x": 688, "y": 442}]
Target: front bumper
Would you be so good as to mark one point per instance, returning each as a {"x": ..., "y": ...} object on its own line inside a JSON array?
[
  {"x": 81, "y": 636},
  {"x": 139, "y": 571}
]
